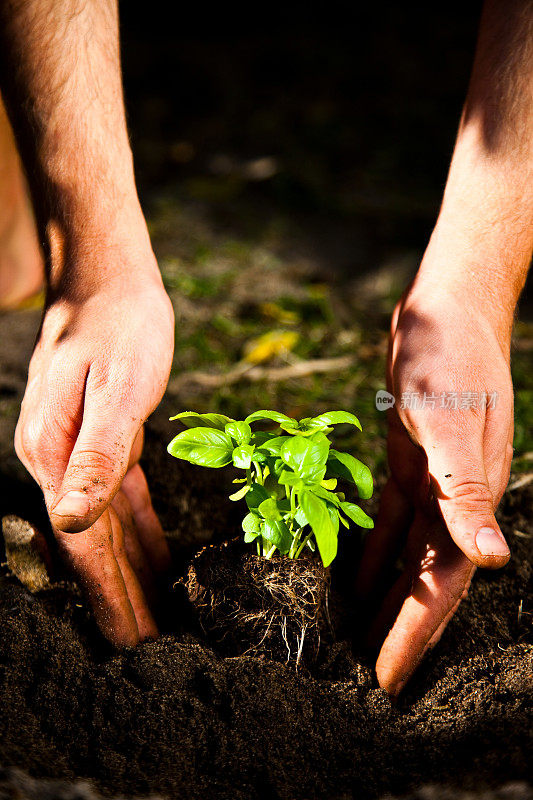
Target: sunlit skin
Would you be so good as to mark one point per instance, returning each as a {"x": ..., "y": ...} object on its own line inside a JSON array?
[
  {"x": 451, "y": 331},
  {"x": 104, "y": 352},
  {"x": 103, "y": 355}
]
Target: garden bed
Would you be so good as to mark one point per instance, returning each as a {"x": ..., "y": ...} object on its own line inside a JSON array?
[{"x": 177, "y": 718}]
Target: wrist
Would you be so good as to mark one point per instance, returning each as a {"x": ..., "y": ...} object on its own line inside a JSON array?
[
  {"x": 453, "y": 284},
  {"x": 88, "y": 251}
]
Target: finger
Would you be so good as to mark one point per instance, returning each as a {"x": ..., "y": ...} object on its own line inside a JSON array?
[
  {"x": 151, "y": 534},
  {"x": 392, "y": 603},
  {"x": 383, "y": 545},
  {"x": 134, "y": 552},
  {"x": 145, "y": 622},
  {"x": 48, "y": 426},
  {"x": 93, "y": 559},
  {"x": 98, "y": 461},
  {"x": 443, "y": 578},
  {"x": 456, "y": 465},
  {"x": 444, "y": 624}
]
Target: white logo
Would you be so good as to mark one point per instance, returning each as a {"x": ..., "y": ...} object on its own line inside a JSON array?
[{"x": 384, "y": 400}]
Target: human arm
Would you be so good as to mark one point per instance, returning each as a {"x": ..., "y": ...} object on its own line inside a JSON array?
[
  {"x": 451, "y": 332},
  {"x": 104, "y": 349}
]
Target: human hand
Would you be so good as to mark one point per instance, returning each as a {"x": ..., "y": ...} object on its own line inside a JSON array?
[
  {"x": 449, "y": 469},
  {"x": 99, "y": 368}
]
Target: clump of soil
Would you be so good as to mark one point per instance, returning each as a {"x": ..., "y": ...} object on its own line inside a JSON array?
[{"x": 275, "y": 608}]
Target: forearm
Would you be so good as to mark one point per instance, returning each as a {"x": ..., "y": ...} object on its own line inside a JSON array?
[
  {"x": 483, "y": 241},
  {"x": 61, "y": 78}
]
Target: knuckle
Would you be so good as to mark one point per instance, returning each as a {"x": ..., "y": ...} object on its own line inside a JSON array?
[
  {"x": 470, "y": 493},
  {"x": 95, "y": 462},
  {"x": 31, "y": 433}
]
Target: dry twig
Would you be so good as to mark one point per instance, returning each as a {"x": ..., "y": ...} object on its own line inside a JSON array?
[
  {"x": 519, "y": 483},
  {"x": 250, "y": 372}
]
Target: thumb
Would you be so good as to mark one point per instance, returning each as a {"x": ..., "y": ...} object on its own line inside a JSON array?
[
  {"x": 461, "y": 488},
  {"x": 97, "y": 465}
]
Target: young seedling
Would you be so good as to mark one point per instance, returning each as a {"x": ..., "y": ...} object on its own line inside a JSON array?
[{"x": 290, "y": 483}]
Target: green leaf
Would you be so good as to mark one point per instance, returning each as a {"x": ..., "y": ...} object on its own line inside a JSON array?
[
  {"x": 308, "y": 427},
  {"x": 357, "y": 515},
  {"x": 306, "y": 458},
  {"x": 255, "y": 496},
  {"x": 274, "y": 445},
  {"x": 330, "y": 497},
  {"x": 275, "y": 416},
  {"x": 193, "y": 420},
  {"x": 240, "y": 493},
  {"x": 203, "y": 446},
  {"x": 276, "y": 532},
  {"x": 242, "y": 456},
  {"x": 320, "y": 438},
  {"x": 334, "y": 517},
  {"x": 287, "y": 478},
  {"x": 284, "y": 505},
  {"x": 304, "y": 431},
  {"x": 269, "y": 509},
  {"x": 330, "y": 484},
  {"x": 252, "y": 524},
  {"x": 300, "y": 518},
  {"x": 336, "y": 418},
  {"x": 250, "y": 536},
  {"x": 278, "y": 466},
  {"x": 259, "y": 437},
  {"x": 240, "y": 431},
  {"x": 343, "y": 465},
  {"x": 319, "y": 518}
]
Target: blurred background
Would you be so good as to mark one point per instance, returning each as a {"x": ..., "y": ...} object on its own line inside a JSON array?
[{"x": 291, "y": 162}]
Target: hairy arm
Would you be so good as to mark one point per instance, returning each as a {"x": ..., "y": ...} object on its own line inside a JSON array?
[
  {"x": 483, "y": 240},
  {"x": 104, "y": 350},
  {"x": 451, "y": 332},
  {"x": 60, "y": 73}
]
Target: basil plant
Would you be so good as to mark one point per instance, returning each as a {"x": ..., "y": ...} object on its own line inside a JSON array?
[{"x": 290, "y": 476}]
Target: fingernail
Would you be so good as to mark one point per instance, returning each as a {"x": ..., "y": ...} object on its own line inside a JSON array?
[
  {"x": 73, "y": 504},
  {"x": 491, "y": 543}
]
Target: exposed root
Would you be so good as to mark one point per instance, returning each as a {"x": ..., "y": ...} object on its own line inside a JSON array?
[{"x": 249, "y": 604}]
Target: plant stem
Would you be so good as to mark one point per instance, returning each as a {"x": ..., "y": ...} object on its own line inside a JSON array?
[
  {"x": 271, "y": 551},
  {"x": 304, "y": 543},
  {"x": 293, "y": 501},
  {"x": 294, "y": 545}
]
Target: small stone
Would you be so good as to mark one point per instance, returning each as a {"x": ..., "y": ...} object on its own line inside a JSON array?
[{"x": 26, "y": 553}]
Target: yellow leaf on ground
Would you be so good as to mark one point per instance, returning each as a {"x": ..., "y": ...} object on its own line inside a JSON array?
[{"x": 269, "y": 345}]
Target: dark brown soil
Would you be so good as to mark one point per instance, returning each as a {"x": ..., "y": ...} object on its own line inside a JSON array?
[{"x": 176, "y": 718}]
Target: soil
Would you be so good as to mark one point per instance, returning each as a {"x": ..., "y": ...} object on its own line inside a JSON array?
[{"x": 176, "y": 718}]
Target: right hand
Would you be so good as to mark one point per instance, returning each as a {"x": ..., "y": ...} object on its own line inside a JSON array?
[{"x": 100, "y": 367}]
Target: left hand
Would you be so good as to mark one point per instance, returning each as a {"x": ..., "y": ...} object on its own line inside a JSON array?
[{"x": 449, "y": 469}]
